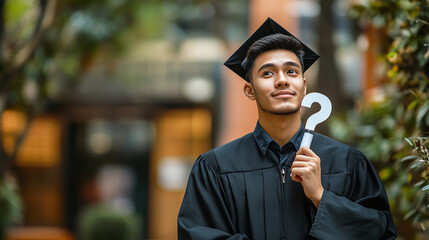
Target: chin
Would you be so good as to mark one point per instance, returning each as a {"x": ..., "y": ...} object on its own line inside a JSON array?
[{"x": 284, "y": 111}]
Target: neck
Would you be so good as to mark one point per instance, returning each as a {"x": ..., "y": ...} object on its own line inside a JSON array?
[{"x": 280, "y": 127}]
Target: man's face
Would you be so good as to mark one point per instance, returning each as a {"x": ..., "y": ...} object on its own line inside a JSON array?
[{"x": 277, "y": 84}]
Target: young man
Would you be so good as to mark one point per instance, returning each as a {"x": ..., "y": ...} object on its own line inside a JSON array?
[{"x": 262, "y": 186}]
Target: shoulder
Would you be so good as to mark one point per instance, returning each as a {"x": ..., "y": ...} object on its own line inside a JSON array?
[
  {"x": 238, "y": 146},
  {"x": 336, "y": 156},
  {"x": 242, "y": 154}
]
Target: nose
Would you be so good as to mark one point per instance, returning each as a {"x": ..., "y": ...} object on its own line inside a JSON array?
[{"x": 281, "y": 81}]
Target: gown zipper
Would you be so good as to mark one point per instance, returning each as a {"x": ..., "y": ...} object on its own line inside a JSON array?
[{"x": 283, "y": 176}]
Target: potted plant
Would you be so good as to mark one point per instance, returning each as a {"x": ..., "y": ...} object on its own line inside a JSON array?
[
  {"x": 10, "y": 206},
  {"x": 101, "y": 222}
]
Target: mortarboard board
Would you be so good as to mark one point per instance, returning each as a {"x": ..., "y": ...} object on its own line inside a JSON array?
[{"x": 267, "y": 28}]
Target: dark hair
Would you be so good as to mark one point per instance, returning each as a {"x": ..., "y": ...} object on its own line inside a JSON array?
[{"x": 271, "y": 42}]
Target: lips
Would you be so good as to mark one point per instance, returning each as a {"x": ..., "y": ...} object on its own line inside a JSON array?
[{"x": 283, "y": 93}]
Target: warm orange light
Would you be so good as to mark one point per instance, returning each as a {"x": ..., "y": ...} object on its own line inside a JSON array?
[
  {"x": 42, "y": 143},
  {"x": 12, "y": 124}
]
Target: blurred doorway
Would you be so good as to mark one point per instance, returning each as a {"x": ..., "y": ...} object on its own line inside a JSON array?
[{"x": 107, "y": 164}]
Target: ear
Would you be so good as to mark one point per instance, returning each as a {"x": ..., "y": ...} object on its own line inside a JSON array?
[{"x": 248, "y": 91}]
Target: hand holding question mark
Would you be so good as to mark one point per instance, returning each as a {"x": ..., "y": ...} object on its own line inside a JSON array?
[
  {"x": 313, "y": 120},
  {"x": 303, "y": 170}
]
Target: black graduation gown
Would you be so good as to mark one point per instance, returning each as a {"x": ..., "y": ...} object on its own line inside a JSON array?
[{"x": 234, "y": 192}]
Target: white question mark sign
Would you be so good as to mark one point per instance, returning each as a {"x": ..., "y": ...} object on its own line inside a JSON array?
[{"x": 316, "y": 118}]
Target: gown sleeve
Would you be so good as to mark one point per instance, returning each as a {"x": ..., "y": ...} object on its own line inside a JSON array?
[
  {"x": 204, "y": 214},
  {"x": 364, "y": 213}
]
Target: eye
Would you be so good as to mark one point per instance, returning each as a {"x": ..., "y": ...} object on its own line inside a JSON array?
[
  {"x": 292, "y": 71},
  {"x": 267, "y": 73}
]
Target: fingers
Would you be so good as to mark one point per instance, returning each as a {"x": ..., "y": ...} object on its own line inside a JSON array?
[
  {"x": 306, "y": 169},
  {"x": 306, "y": 164},
  {"x": 306, "y": 151},
  {"x": 303, "y": 171},
  {"x": 305, "y": 155},
  {"x": 305, "y": 158},
  {"x": 296, "y": 178},
  {"x": 300, "y": 171}
]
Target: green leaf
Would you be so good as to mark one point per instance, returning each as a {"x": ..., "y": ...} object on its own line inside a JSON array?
[
  {"x": 427, "y": 120},
  {"x": 16, "y": 9},
  {"x": 409, "y": 142},
  {"x": 385, "y": 173},
  {"x": 425, "y": 188},
  {"x": 410, "y": 213},
  {"x": 412, "y": 46},
  {"x": 422, "y": 111},
  {"x": 408, "y": 158},
  {"x": 413, "y": 104},
  {"x": 392, "y": 56},
  {"x": 392, "y": 73},
  {"x": 418, "y": 184},
  {"x": 416, "y": 165}
]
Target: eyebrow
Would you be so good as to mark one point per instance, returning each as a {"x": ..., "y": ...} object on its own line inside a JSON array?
[{"x": 288, "y": 63}]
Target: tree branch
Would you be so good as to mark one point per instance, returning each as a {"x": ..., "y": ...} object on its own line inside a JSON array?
[
  {"x": 42, "y": 4},
  {"x": 45, "y": 21},
  {"x": 21, "y": 137},
  {"x": 7, "y": 159},
  {"x": 2, "y": 10}
]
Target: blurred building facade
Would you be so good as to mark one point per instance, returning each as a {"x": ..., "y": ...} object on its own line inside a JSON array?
[{"x": 127, "y": 135}]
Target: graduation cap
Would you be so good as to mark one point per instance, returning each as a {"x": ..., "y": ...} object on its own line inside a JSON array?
[{"x": 267, "y": 28}]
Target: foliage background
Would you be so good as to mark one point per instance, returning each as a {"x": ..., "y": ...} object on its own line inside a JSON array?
[
  {"x": 48, "y": 45},
  {"x": 392, "y": 126},
  {"x": 45, "y": 46}
]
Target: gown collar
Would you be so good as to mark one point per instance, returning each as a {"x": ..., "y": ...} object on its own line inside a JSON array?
[{"x": 264, "y": 140}]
